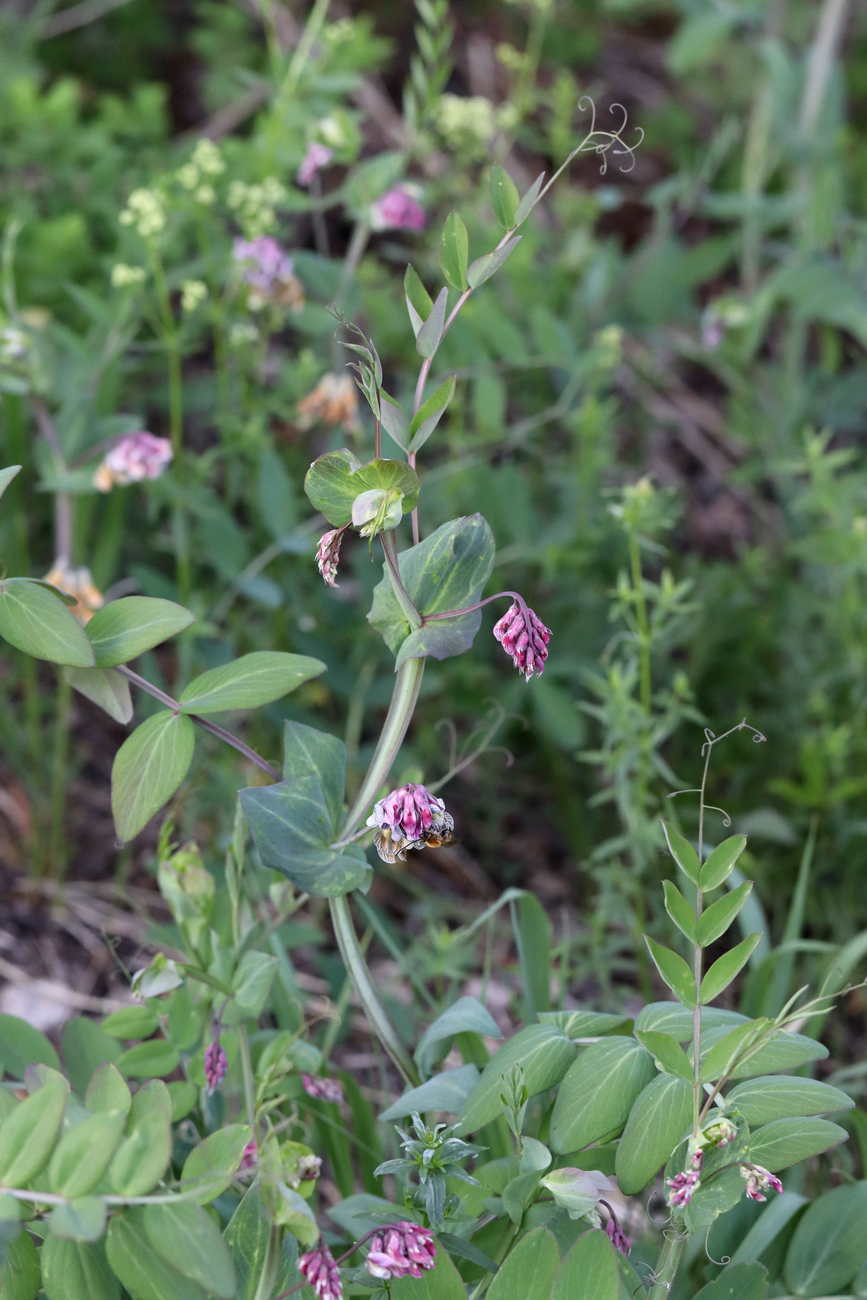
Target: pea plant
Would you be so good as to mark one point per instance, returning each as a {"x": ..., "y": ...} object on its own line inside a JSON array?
[{"x": 205, "y": 1180}]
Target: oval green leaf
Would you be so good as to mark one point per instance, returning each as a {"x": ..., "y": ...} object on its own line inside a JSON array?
[
  {"x": 504, "y": 197},
  {"x": 785, "y": 1142},
  {"x": 148, "y": 768},
  {"x": 211, "y": 1166},
  {"x": 72, "y": 1270},
  {"x": 455, "y": 251},
  {"x": 124, "y": 629},
  {"x": 658, "y": 1121},
  {"x": 35, "y": 619},
  {"x": 543, "y": 1054},
  {"x": 724, "y": 970},
  {"x": 598, "y": 1091},
  {"x": 718, "y": 864},
  {"x": 528, "y": 1269},
  {"x": 83, "y": 1154},
  {"x": 777, "y": 1096},
  {"x": 717, "y": 918},
  {"x": 28, "y": 1134},
  {"x": 105, "y": 688},
  {"x": 673, "y": 970},
  {"x": 249, "y": 682},
  {"x": 589, "y": 1270},
  {"x": 827, "y": 1247},
  {"x": 188, "y": 1238},
  {"x": 141, "y": 1269}
]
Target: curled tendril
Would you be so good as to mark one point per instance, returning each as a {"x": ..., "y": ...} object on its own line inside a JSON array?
[
  {"x": 711, "y": 738},
  {"x": 709, "y": 807},
  {"x": 476, "y": 744},
  {"x": 721, "y": 1263},
  {"x": 602, "y": 142}
]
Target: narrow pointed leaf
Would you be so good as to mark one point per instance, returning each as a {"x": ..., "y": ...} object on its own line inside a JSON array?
[
  {"x": 429, "y": 336},
  {"x": 529, "y": 200},
  {"x": 481, "y": 270},
  {"x": 249, "y": 682},
  {"x": 504, "y": 197},
  {"x": 718, "y": 864},
  {"x": 7, "y": 475},
  {"x": 455, "y": 251},
  {"x": 724, "y": 970},
  {"x": 679, "y": 909},
  {"x": 717, "y": 918},
  {"x": 667, "y": 1053},
  {"x": 673, "y": 970},
  {"x": 429, "y": 414},
  {"x": 683, "y": 853}
]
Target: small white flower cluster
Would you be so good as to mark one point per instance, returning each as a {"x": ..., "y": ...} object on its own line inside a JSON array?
[
  {"x": 256, "y": 205},
  {"x": 241, "y": 333},
  {"x": 340, "y": 32},
  {"x": 145, "y": 211},
  {"x": 466, "y": 123},
  {"x": 193, "y": 292},
  {"x": 123, "y": 275},
  {"x": 13, "y": 343},
  {"x": 206, "y": 161}
]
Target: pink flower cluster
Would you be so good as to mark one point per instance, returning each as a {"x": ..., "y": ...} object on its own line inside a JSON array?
[
  {"x": 397, "y": 209},
  {"x": 328, "y": 554},
  {"x": 618, "y": 1238},
  {"x": 265, "y": 265},
  {"x": 250, "y": 1155},
  {"x": 524, "y": 637},
  {"x": 683, "y": 1188},
  {"x": 133, "y": 458},
  {"x": 216, "y": 1066},
  {"x": 410, "y": 817},
  {"x": 316, "y": 157},
  {"x": 759, "y": 1180},
  {"x": 322, "y": 1089},
  {"x": 319, "y": 1270},
  {"x": 401, "y": 1250}
]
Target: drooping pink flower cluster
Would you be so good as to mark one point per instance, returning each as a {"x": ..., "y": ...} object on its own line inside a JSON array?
[
  {"x": 410, "y": 817},
  {"x": 397, "y": 209},
  {"x": 322, "y": 1089},
  {"x": 216, "y": 1066},
  {"x": 263, "y": 261},
  {"x": 401, "y": 1250},
  {"x": 133, "y": 458},
  {"x": 683, "y": 1188},
  {"x": 250, "y": 1155},
  {"x": 618, "y": 1238},
  {"x": 759, "y": 1180},
  {"x": 316, "y": 157},
  {"x": 524, "y": 637},
  {"x": 328, "y": 554},
  {"x": 318, "y": 1268}
]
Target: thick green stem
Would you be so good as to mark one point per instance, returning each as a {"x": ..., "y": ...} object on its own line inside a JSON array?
[{"x": 669, "y": 1262}]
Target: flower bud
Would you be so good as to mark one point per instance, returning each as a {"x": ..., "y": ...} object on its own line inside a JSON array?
[
  {"x": 377, "y": 510},
  {"x": 524, "y": 637},
  {"x": 578, "y": 1191},
  {"x": 216, "y": 1066}
]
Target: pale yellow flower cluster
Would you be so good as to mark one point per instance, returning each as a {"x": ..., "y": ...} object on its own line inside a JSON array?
[
  {"x": 466, "y": 123},
  {"x": 256, "y": 205},
  {"x": 145, "y": 211},
  {"x": 124, "y": 276},
  {"x": 193, "y": 293}
]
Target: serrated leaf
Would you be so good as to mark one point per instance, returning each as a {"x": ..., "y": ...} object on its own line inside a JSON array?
[
  {"x": 724, "y": 970},
  {"x": 28, "y": 1134},
  {"x": 124, "y": 629},
  {"x": 683, "y": 853},
  {"x": 249, "y": 682},
  {"x": 667, "y": 1053},
  {"x": 658, "y": 1121},
  {"x": 148, "y": 768},
  {"x": 141, "y": 1269},
  {"x": 430, "y": 335},
  {"x": 481, "y": 270},
  {"x": 76, "y": 1271},
  {"x": 429, "y": 414},
  {"x": 717, "y": 918},
  {"x": 777, "y": 1096},
  {"x": 7, "y": 475},
  {"x": 187, "y": 1237},
  {"x": 105, "y": 688},
  {"x": 673, "y": 970},
  {"x": 455, "y": 251},
  {"x": 211, "y": 1166},
  {"x": 543, "y": 1055},
  {"x": 827, "y": 1247},
  {"x": 448, "y": 570},
  {"x": 595, "y": 1096},
  {"x": 35, "y": 620},
  {"x": 679, "y": 910},
  {"x": 504, "y": 197},
  {"x": 785, "y": 1142},
  {"x": 718, "y": 864}
]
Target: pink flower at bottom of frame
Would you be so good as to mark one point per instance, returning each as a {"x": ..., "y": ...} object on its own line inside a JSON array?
[
  {"x": 401, "y": 1250},
  {"x": 319, "y": 1270},
  {"x": 524, "y": 637}
]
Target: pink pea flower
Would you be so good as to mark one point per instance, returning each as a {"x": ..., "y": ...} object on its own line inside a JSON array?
[
  {"x": 759, "y": 1180},
  {"x": 401, "y": 1250},
  {"x": 398, "y": 209},
  {"x": 524, "y": 637},
  {"x": 621, "y": 1243},
  {"x": 683, "y": 1188},
  {"x": 322, "y": 1089},
  {"x": 249, "y": 1155},
  {"x": 319, "y": 1270},
  {"x": 269, "y": 272},
  {"x": 216, "y": 1066},
  {"x": 316, "y": 157},
  {"x": 133, "y": 458},
  {"x": 410, "y": 817},
  {"x": 328, "y": 554}
]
